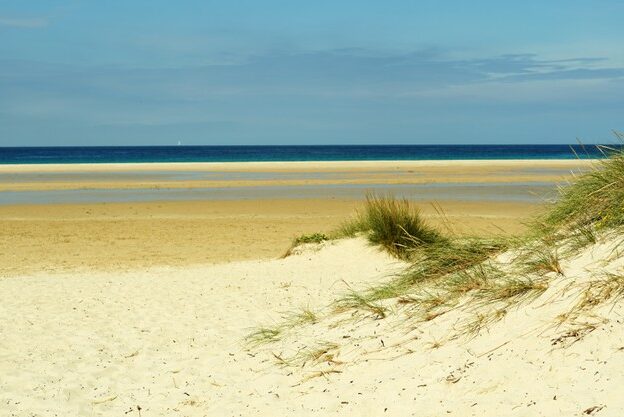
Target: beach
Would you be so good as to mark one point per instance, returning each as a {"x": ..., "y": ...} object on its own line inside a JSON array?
[
  {"x": 229, "y": 218},
  {"x": 311, "y": 209},
  {"x": 180, "y": 306}
]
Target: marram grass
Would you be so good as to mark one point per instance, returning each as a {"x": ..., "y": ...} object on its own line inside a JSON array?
[
  {"x": 594, "y": 200},
  {"x": 394, "y": 224},
  {"x": 446, "y": 269}
]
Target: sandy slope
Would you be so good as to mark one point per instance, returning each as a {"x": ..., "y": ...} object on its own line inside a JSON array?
[
  {"x": 529, "y": 363},
  {"x": 169, "y": 341}
]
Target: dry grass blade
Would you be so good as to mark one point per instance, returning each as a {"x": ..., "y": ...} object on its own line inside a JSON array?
[
  {"x": 481, "y": 321},
  {"x": 358, "y": 301},
  {"x": 512, "y": 290},
  {"x": 264, "y": 335},
  {"x": 541, "y": 259},
  {"x": 325, "y": 352},
  {"x": 324, "y": 374},
  {"x": 598, "y": 292}
]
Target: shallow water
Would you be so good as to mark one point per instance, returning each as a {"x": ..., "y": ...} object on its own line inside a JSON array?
[
  {"x": 517, "y": 191},
  {"x": 186, "y": 175}
]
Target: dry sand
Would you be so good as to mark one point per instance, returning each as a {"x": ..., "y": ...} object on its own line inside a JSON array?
[
  {"x": 169, "y": 341},
  {"x": 166, "y": 339}
]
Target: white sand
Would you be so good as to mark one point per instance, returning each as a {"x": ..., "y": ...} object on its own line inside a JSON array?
[{"x": 169, "y": 341}]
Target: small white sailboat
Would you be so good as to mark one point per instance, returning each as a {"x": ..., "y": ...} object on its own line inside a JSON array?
[{"x": 179, "y": 143}]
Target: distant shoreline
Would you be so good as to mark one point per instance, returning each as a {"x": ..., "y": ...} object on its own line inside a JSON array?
[
  {"x": 311, "y": 153},
  {"x": 261, "y": 166}
]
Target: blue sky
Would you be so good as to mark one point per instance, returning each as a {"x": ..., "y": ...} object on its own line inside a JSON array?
[{"x": 323, "y": 72}]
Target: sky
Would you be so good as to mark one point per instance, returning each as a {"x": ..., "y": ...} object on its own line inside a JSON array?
[{"x": 310, "y": 72}]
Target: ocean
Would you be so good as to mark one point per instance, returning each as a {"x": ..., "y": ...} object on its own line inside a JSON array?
[{"x": 129, "y": 154}]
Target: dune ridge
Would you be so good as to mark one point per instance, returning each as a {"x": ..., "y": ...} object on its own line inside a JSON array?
[{"x": 172, "y": 341}]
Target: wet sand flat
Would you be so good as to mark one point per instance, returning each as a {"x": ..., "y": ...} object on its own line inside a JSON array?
[{"x": 263, "y": 174}]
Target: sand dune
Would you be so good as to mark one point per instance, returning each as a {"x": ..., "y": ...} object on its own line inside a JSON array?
[{"x": 169, "y": 341}]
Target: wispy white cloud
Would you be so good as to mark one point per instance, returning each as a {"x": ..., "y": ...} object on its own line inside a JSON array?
[
  {"x": 25, "y": 23},
  {"x": 333, "y": 95}
]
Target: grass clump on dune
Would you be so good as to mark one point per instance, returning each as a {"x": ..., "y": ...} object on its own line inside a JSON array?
[
  {"x": 394, "y": 224},
  {"x": 397, "y": 226},
  {"x": 446, "y": 270},
  {"x": 451, "y": 272},
  {"x": 311, "y": 238},
  {"x": 303, "y": 239},
  {"x": 593, "y": 200}
]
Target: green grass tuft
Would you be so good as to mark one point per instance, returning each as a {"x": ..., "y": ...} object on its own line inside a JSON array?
[
  {"x": 305, "y": 316},
  {"x": 351, "y": 228},
  {"x": 311, "y": 238},
  {"x": 303, "y": 239},
  {"x": 394, "y": 224}
]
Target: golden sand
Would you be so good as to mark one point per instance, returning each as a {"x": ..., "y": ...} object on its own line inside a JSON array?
[
  {"x": 141, "y": 234},
  {"x": 130, "y": 235}
]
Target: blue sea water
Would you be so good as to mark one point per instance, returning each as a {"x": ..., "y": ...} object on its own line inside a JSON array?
[{"x": 128, "y": 154}]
